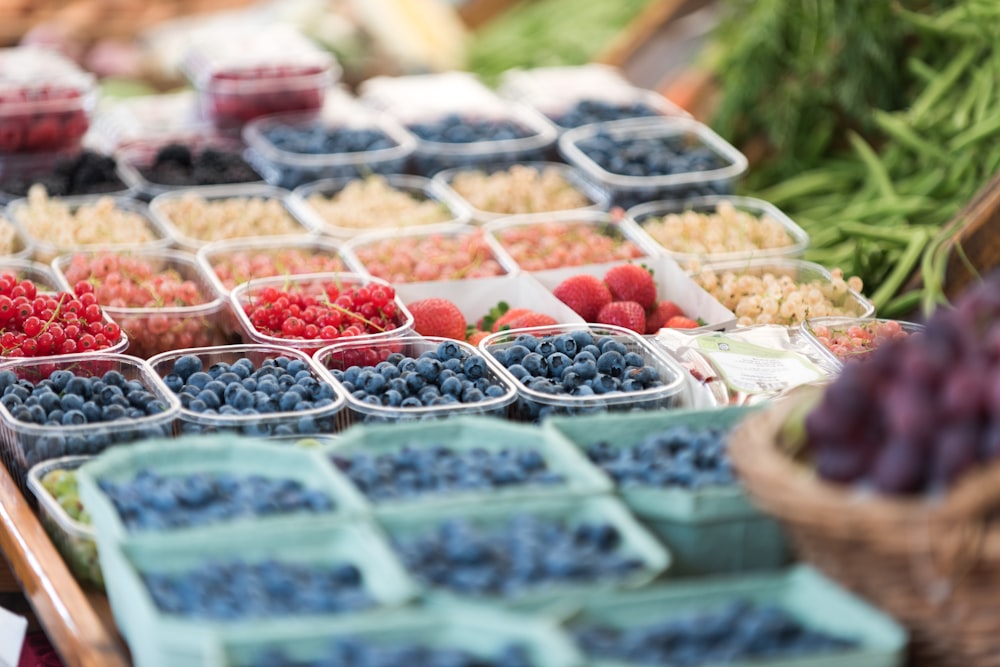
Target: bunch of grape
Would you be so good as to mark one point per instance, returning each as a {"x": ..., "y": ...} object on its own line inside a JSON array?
[{"x": 923, "y": 411}]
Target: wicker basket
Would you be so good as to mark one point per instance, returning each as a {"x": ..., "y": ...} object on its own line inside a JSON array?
[{"x": 933, "y": 564}]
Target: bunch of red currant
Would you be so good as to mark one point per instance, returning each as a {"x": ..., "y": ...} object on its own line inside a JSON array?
[
  {"x": 34, "y": 324},
  {"x": 327, "y": 314}
]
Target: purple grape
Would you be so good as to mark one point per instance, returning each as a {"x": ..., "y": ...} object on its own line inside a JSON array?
[
  {"x": 900, "y": 468},
  {"x": 840, "y": 464},
  {"x": 955, "y": 452}
]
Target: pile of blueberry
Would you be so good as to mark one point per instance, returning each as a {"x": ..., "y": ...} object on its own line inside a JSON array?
[
  {"x": 574, "y": 364},
  {"x": 234, "y": 589},
  {"x": 66, "y": 399},
  {"x": 516, "y": 555},
  {"x": 649, "y": 156},
  {"x": 678, "y": 456},
  {"x": 241, "y": 389},
  {"x": 739, "y": 631},
  {"x": 420, "y": 469},
  {"x": 88, "y": 173},
  {"x": 177, "y": 165},
  {"x": 458, "y": 129},
  {"x": 319, "y": 138},
  {"x": 447, "y": 375},
  {"x": 151, "y": 501},
  {"x": 355, "y": 652},
  {"x": 586, "y": 112}
]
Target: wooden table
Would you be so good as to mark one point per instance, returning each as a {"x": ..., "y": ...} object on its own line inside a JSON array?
[{"x": 78, "y": 623}]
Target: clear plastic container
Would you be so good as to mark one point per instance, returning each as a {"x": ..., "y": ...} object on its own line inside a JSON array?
[
  {"x": 672, "y": 284},
  {"x": 20, "y": 243},
  {"x": 24, "y": 444},
  {"x": 850, "y": 303},
  {"x": 309, "y": 284},
  {"x": 293, "y": 424},
  {"x": 530, "y": 255},
  {"x": 164, "y": 116},
  {"x": 474, "y": 629},
  {"x": 139, "y": 156},
  {"x": 281, "y": 71},
  {"x": 627, "y": 191},
  {"x": 368, "y": 353},
  {"x": 798, "y": 239},
  {"x": 216, "y": 193},
  {"x": 534, "y": 405},
  {"x": 598, "y": 199},
  {"x": 420, "y": 189},
  {"x": 477, "y": 296},
  {"x": 419, "y": 94},
  {"x": 222, "y": 261},
  {"x": 44, "y": 249},
  {"x": 463, "y": 435},
  {"x": 159, "y": 638},
  {"x": 42, "y": 276},
  {"x": 802, "y": 591},
  {"x": 45, "y": 101},
  {"x": 152, "y": 330},
  {"x": 290, "y": 170},
  {"x": 19, "y": 171},
  {"x": 74, "y": 539},
  {"x": 230, "y": 454},
  {"x": 556, "y": 90},
  {"x": 549, "y": 597},
  {"x": 407, "y": 263},
  {"x": 864, "y": 334}
]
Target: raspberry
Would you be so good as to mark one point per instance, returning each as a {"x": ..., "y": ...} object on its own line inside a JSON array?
[
  {"x": 438, "y": 317},
  {"x": 631, "y": 282},
  {"x": 585, "y": 294},
  {"x": 531, "y": 320},
  {"x": 627, "y": 314},
  {"x": 657, "y": 318},
  {"x": 681, "y": 322}
]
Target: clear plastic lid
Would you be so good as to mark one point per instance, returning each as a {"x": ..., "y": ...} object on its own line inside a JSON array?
[
  {"x": 172, "y": 115},
  {"x": 33, "y": 79},
  {"x": 427, "y": 95},
  {"x": 237, "y": 53},
  {"x": 36, "y": 476}
]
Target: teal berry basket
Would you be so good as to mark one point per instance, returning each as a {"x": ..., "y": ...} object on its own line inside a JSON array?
[
  {"x": 465, "y": 435},
  {"x": 478, "y": 630},
  {"x": 550, "y": 598},
  {"x": 808, "y": 596},
  {"x": 157, "y": 638},
  {"x": 214, "y": 454},
  {"x": 710, "y": 530}
]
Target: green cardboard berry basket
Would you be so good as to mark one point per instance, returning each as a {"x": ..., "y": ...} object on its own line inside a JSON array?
[
  {"x": 213, "y": 454},
  {"x": 74, "y": 539},
  {"x": 160, "y": 639},
  {"x": 551, "y": 598},
  {"x": 709, "y": 530},
  {"x": 802, "y": 591},
  {"x": 464, "y": 434},
  {"x": 479, "y": 630}
]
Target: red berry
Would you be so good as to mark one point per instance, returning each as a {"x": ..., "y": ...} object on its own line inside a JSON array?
[
  {"x": 657, "y": 318},
  {"x": 627, "y": 314},
  {"x": 681, "y": 322},
  {"x": 438, "y": 317},
  {"x": 531, "y": 320},
  {"x": 631, "y": 282},
  {"x": 585, "y": 294}
]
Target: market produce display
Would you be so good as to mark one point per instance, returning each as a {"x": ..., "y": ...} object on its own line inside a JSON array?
[
  {"x": 680, "y": 456},
  {"x": 519, "y": 189},
  {"x": 553, "y": 244},
  {"x": 916, "y": 417},
  {"x": 586, "y": 112},
  {"x": 66, "y": 521},
  {"x": 739, "y": 631},
  {"x": 373, "y": 203},
  {"x": 458, "y": 129},
  {"x": 151, "y": 501},
  {"x": 351, "y": 652},
  {"x": 883, "y": 145},
  {"x": 88, "y": 173},
  {"x": 236, "y": 264},
  {"x": 437, "y": 256},
  {"x": 648, "y": 156},
  {"x": 321, "y": 139},
  {"x": 430, "y": 469},
  {"x": 178, "y": 165},
  {"x": 204, "y": 219},
  {"x": 216, "y": 589},
  {"x": 856, "y": 340},
  {"x": 505, "y": 559}
]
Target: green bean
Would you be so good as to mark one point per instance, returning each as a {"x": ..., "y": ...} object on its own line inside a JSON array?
[
  {"x": 902, "y": 270},
  {"x": 880, "y": 177},
  {"x": 942, "y": 83},
  {"x": 902, "y": 305},
  {"x": 976, "y": 133},
  {"x": 897, "y": 129}
]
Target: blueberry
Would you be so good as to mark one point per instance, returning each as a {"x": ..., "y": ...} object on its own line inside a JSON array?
[
  {"x": 611, "y": 362},
  {"x": 198, "y": 379},
  {"x": 187, "y": 366}
]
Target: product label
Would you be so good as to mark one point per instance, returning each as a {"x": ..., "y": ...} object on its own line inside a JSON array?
[{"x": 753, "y": 369}]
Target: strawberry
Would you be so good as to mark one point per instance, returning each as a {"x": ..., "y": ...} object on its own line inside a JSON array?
[
  {"x": 585, "y": 294},
  {"x": 631, "y": 282},
  {"x": 681, "y": 322},
  {"x": 477, "y": 336},
  {"x": 657, "y": 317},
  {"x": 438, "y": 317},
  {"x": 503, "y": 322},
  {"x": 531, "y": 319},
  {"x": 628, "y": 314}
]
